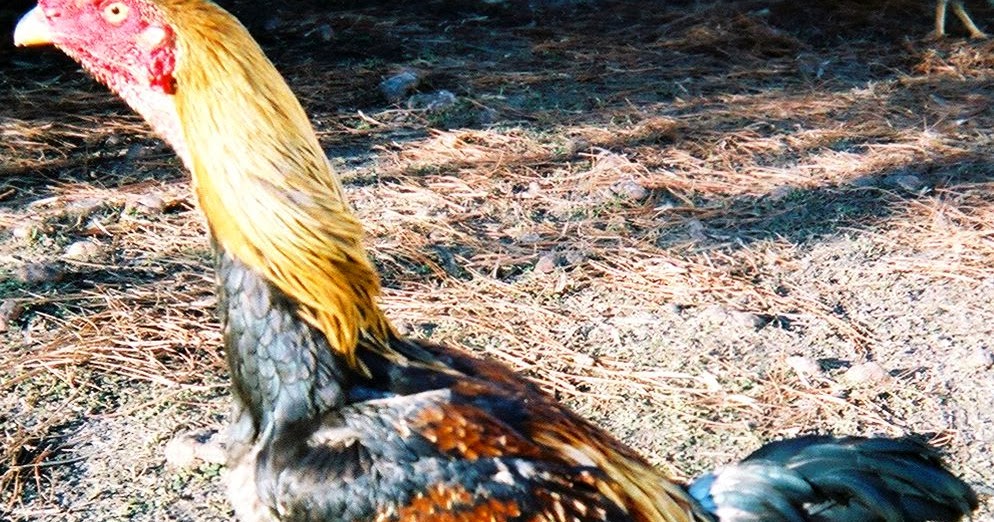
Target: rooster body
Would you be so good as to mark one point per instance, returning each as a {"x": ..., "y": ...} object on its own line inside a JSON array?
[
  {"x": 425, "y": 431},
  {"x": 336, "y": 416}
]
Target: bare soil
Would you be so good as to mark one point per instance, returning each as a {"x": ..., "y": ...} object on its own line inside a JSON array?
[{"x": 704, "y": 225}]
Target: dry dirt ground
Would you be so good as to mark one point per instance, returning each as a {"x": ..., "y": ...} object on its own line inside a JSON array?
[{"x": 702, "y": 225}]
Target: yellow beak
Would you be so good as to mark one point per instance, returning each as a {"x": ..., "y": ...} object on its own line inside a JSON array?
[{"x": 33, "y": 29}]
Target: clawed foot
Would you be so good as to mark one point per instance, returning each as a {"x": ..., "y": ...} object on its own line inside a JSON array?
[
  {"x": 936, "y": 36},
  {"x": 190, "y": 449}
]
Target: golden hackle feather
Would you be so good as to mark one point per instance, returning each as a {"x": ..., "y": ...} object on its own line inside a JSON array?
[{"x": 277, "y": 207}]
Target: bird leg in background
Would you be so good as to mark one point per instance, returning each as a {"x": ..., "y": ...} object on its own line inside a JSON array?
[{"x": 960, "y": 12}]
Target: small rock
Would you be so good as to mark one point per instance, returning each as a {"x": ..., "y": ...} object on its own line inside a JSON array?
[
  {"x": 325, "y": 32},
  {"x": 908, "y": 182},
  {"x": 980, "y": 358},
  {"x": 673, "y": 308},
  {"x": 10, "y": 311},
  {"x": 665, "y": 203},
  {"x": 24, "y": 231},
  {"x": 396, "y": 87},
  {"x": 576, "y": 146},
  {"x": 434, "y": 101},
  {"x": 534, "y": 189},
  {"x": 866, "y": 373},
  {"x": 151, "y": 203},
  {"x": 529, "y": 238},
  {"x": 39, "y": 273},
  {"x": 83, "y": 208},
  {"x": 272, "y": 24},
  {"x": 780, "y": 193},
  {"x": 695, "y": 229},
  {"x": 547, "y": 263},
  {"x": 213, "y": 451},
  {"x": 84, "y": 250},
  {"x": 747, "y": 319},
  {"x": 713, "y": 314},
  {"x": 631, "y": 189},
  {"x": 583, "y": 360},
  {"x": 574, "y": 257},
  {"x": 489, "y": 116},
  {"x": 139, "y": 150},
  {"x": 804, "y": 366},
  {"x": 865, "y": 181}
]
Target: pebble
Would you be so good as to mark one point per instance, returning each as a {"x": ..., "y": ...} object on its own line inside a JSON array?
[
  {"x": 547, "y": 263},
  {"x": 24, "y": 231},
  {"x": 695, "y": 229},
  {"x": 85, "y": 207},
  {"x": 980, "y": 358},
  {"x": 139, "y": 150},
  {"x": 574, "y": 257},
  {"x": 908, "y": 182},
  {"x": 534, "y": 189},
  {"x": 865, "y": 182},
  {"x": 780, "y": 193},
  {"x": 39, "y": 273},
  {"x": 84, "y": 250},
  {"x": 325, "y": 32},
  {"x": 866, "y": 373},
  {"x": 396, "y": 87},
  {"x": 747, "y": 319},
  {"x": 584, "y": 361},
  {"x": 804, "y": 366},
  {"x": 10, "y": 311},
  {"x": 713, "y": 314},
  {"x": 631, "y": 189},
  {"x": 151, "y": 203},
  {"x": 489, "y": 116},
  {"x": 433, "y": 101},
  {"x": 577, "y": 146},
  {"x": 529, "y": 237}
]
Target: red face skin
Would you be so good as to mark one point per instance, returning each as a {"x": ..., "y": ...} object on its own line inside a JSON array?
[
  {"x": 121, "y": 42},
  {"x": 127, "y": 45}
]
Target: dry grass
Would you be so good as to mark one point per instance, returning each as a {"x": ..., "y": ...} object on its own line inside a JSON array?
[{"x": 659, "y": 207}]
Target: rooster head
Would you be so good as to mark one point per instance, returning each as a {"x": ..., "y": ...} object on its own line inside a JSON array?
[
  {"x": 126, "y": 44},
  {"x": 258, "y": 170}
]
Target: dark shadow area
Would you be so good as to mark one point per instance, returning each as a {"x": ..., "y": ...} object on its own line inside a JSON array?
[
  {"x": 715, "y": 68},
  {"x": 804, "y": 215}
]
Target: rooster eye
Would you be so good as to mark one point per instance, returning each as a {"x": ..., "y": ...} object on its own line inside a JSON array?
[{"x": 115, "y": 12}]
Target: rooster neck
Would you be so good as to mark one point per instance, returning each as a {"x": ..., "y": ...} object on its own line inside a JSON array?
[
  {"x": 264, "y": 184},
  {"x": 281, "y": 368}
]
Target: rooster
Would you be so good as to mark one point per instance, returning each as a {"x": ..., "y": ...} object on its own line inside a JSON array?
[{"x": 337, "y": 416}]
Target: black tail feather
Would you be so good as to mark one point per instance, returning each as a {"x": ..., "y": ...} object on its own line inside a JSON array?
[{"x": 830, "y": 479}]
